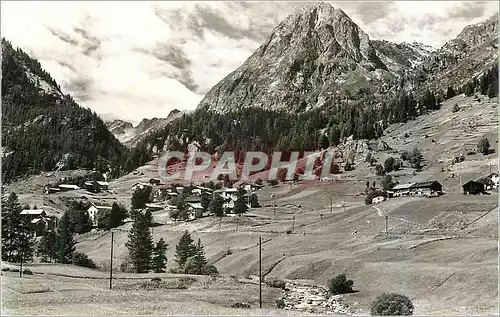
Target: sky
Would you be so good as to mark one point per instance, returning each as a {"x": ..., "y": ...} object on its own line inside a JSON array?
[{"x": 134, "y": 60}]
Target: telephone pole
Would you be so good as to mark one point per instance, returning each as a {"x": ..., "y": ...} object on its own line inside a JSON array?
[
  {"x": 260, "y": 272},
  {"x": 293, "y": 224},
  {"x": 331, "y": 205},
  {"x": 111, "y": 264},
  {"x": 386, "y": 231}
]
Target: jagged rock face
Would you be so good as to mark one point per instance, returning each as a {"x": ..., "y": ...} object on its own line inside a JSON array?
[
  {"x": 401, "y": 57},
  {"x": 311, "y": 57},
  {"x": 130, "y": 136},
  {"x": 118, "y": 126},
  {"x": 472, "y": 52}
]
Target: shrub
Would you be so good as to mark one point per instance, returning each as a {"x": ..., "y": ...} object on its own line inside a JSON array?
[
  {"x": 272, "y": 182},
  {"x": 389, "y": 164},
  {"x": 156, "y": 279},
  {"x": 240, "y": 305},
  {"x": 210, "y": 270},
  {"x": 27, "y": 272},
  {"x": 280, "y": 303},
  {"x": 456, "y": 108},
  {"x": 404, "y": 155},
  {"x": 81, "y": 259},
  {"x": 392, "y": 304},
  {"x": 484, "y": 146},
  {"x": 340, "y": 285},
  {"x": 275, "y": 283},
  {"x": 127, "y": 266}
]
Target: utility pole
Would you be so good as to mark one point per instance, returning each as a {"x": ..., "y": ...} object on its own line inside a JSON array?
[
  {"x": 386, "y": 231},
  {"x": 331, "y": 205},
  {"x": 293, "y": 224},
  {"x": 21, "y": 269},
  {"x": 111, "y": 265},
  {"x": 260, "y": 272}
]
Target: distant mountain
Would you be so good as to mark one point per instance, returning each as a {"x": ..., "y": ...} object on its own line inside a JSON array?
[
  {"x": 402, "y": 57},
  {"x": 316, "y": 56},
  {"x": 319, "y": 79},
  {"x": 44, "y": 129},
  {"x": 471, "y": 54},
  {"x": 130, "y": 136}
]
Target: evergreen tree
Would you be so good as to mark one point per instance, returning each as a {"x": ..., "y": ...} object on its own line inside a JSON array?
[
  {"x": 216, "y": 206},
  {"x": 389, "y": 164},
  {"x": 387, "y": 182},
  {"x": 141, "y": 197},
  {"x": 184, "y": 249},
  {"x": 205, "y": 201},
  {"x": 159, "y": 256},
  {"x": 140, "y": 244},
  {"x": 148, "y": 218},
  {"x": 17, "y": 240},
  {"x": 47, "y": 248},
  {"x": 240, "y": 206},
  {"x": 197, "y": 263},
  {"x": 117, "y": 215},
  {"x": 64, "y": 241},
  {"x": 416, "y": 158},
  {"x": 450, "y": 93},
  {"x": 484, "y": 146}
]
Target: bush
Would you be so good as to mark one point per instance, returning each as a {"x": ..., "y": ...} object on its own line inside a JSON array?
[
  {"x": 210, "y": 270},
  {"x": 127, "y": 266},
  {"x": 389, "y": 164},
  {"x": 484, "y": 146},
  {"x": 81, "y": 259},
  {"x": 280, "y": 303},
  {"x": 156, "y": 279},
  {"x": 340, "y": 285},
  {"x": 275, "y": 283},
  {"x": 456, "y": 108},
  {"x": 392, "y": 304},
  {"x": 27, "y": 272},
  {"x": 240, "y": 305}
]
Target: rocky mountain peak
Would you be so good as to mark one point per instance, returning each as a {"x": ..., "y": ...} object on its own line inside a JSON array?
[{"x": 315, "y": 53}]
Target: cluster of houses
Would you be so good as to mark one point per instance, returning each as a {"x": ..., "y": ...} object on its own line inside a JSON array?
[
  {"x": 480, "y": 186},
  {"x": 433, "y": 188},
  {"x": 163, "y": 194}
]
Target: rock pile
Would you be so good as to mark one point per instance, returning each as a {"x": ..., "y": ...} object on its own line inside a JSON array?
[{"x": 313, "y": 299}]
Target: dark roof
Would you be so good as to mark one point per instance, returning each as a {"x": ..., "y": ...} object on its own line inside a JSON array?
[
  {"x": 472, "y": 182},
  {"x": 425, "y": 184}
]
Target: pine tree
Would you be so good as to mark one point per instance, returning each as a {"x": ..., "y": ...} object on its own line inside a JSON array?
[
  {"x": 205, "y": 201},
  {"x": 216, "y": 206},
  {"x": 17, "y": 241},
  {"x": 140, "y": 244},
  {"x": 159, "y": 256},
  {"x": 184, "y": 249},
  {"x": 47, "y": 248},
  {"x": 117, "y": 215},
  {"x": 240, "y": 206},
  {"x": 484, "y": 146},
  {"x": 64, "y": 241},
  {"x": 141, "y": 197},
  {"x": 197, "y": 263},
  {"x": 148, "y": 217}
]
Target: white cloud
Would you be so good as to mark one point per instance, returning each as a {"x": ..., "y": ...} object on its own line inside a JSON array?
[{"x": 143, "y": 59}]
